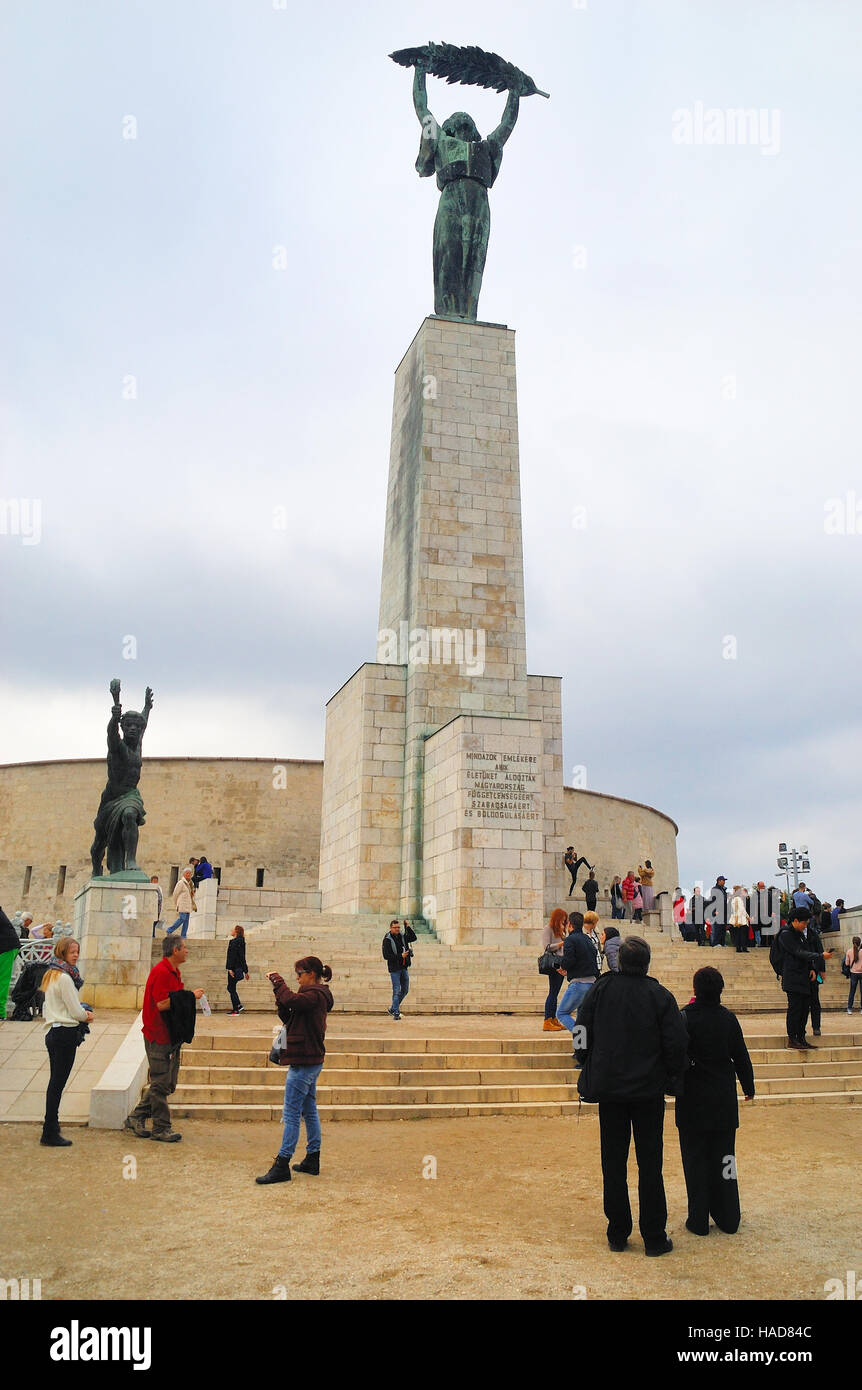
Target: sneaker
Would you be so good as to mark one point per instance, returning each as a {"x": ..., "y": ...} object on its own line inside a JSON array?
[
  {"x": 396, "y": 1018},
  {"x": 234, "y": 1013},
  {"x": 241, "y": 1009},
  {"x": 138, "y": 1129},
  {"x": 850, "y": 1012},
  {"x": 166, "y": 1136}
]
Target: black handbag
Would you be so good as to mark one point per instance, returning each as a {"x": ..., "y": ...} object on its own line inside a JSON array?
[
  {"x": 845, "y": 970},
  {"x": 549, "y": 961}
]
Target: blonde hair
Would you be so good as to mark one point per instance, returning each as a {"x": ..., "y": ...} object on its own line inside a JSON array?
[
  {"x": 49, "y": 977},
  {"x": 591, "y": 918},
  {"x": 61, "y": 947}
]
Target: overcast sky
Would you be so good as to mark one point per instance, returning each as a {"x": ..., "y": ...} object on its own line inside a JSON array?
[{"x": 687, "y": 320}]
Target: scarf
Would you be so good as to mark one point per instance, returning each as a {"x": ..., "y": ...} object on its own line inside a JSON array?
[{"x": 57, "y": 964}]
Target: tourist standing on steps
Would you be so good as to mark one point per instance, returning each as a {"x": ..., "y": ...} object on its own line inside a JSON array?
[
  {"x": 617, "y": 904},
  {"x": 637, "y": 902},
  {"x": 303, "y": 1012},
  {"x": 646, "y": 873},
  {"x": 611, "y": 941},
  {"x": 716, "y": 911},
  {"x": 799, "y": 968},
  {"x": 553, "y": 937},
  {"x": 814, "y": 942},
  {"x": 678, "y": 915},
  {"x": 398, "y": 956},
  {"x": 738, "y": 920},
  {"x": 582, "y": 970},
  {"x": 10, "y": 945},
  {"x": 628, "y": 891},
  {"x": 591, "y": 891},
  {"x": 706, "y": 1109},
  {"x": 236, "y": 966},
  {"x": 633, "y": 1052},
  {"x": 853, "y": 961},
  {"x": 63, "y": 1015},
  {"x": 163, "y": 1054},
  {"x": 573, "y": 864},
  {"x": 591, "y": 932},
  {"x": 184, "y": 902}
]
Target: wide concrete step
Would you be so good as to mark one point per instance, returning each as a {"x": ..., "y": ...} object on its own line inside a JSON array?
[{"x": 463, "y": 1109}]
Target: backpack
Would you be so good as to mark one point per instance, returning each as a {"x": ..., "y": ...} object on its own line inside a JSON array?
[{"x": 776, "y": 955}]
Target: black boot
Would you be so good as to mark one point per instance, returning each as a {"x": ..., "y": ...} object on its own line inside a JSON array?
[
  {"x": 279, "y": 1172},
  {"x": 310, "y": 1164},
  {"x": 53, "y": 1139}
]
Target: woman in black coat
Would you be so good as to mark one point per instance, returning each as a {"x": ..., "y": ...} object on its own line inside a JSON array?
[
  {"x": 707, "y": 1113},
  {"x": 236, "y": 967}
]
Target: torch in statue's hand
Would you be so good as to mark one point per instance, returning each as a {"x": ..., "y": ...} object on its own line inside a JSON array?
[{"x": 115, "y": 690}]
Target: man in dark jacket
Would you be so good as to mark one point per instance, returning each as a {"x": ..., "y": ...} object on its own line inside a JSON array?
[
  {"x": 633, "y": 1052},
  {"x": 800, "y": 965},
  {"x": 581, "y": 964},
  {"x": 397, "y": 954},
  {"x": 716, "y": 911}
]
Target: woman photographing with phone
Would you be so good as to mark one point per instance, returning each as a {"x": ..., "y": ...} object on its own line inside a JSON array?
[{"x": 301, "y": 1049}]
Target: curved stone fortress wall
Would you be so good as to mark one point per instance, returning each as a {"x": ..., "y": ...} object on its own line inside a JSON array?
[{"x": 246, "y": 815}]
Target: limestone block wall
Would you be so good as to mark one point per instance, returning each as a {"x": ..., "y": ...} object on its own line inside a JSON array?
[
  {"x": 615, "y": 835},
  {"x": 361, "y": 820},
  {"x": 546, "y": 705},
  {"x": 245, "y": 814},
  {"x": 453, "y": 560},
  {"x": 113, "y": 922},
  {"x": 482, "y": 872}
]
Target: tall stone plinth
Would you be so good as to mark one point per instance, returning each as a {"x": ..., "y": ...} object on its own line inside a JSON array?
[
  {"x": 483, "y": 818},
  {"x": 114, "y": 924},
  {"x": 363, "y": 778},
  {"x": 451, "y": 647}
]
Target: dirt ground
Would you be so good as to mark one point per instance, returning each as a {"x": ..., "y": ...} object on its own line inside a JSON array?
[{"x": 514, "y": 1212}]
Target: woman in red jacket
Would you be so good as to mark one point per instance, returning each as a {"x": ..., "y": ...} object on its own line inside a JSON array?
[{"x": 303, "y": 1012}]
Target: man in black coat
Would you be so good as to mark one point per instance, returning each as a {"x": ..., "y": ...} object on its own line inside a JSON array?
[
  {"x": 716, "y": 911},
  {"x": 632, "y": 1049},
  {"x": 706, "y": 1110},
  {"x": 800, "y": 966}
]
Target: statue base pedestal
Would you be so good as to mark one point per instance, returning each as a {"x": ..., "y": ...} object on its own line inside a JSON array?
[
  {"x": 114, "y": 924},
  {"x": 123, "y": 876}
]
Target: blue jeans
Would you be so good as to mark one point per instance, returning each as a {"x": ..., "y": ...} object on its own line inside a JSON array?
[
  {"x": 300, "y": 1102},
  {"x": 570, "y": 1000},
  {"x": 400, "y": 989},
  {"x": 182, "y": 921}
]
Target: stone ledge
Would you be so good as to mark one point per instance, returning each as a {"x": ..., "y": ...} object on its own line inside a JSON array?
[{"x": 119, "y": 1087}]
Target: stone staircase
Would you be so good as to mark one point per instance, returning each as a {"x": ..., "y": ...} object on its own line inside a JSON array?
[
  {"x": 415, "y": 1078},
  {"x": 460, "y": 979}
]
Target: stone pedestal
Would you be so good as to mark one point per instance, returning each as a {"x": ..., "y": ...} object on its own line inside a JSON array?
[
  {"x": 114, "y": 924},
  {"x": 202, "y": 924},
  {"x": 398, "y": 820}
]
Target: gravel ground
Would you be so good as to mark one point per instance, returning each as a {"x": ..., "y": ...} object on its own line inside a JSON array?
[{"x": 514, "y": 1212}]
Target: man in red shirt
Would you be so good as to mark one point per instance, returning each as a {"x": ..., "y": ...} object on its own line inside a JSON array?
[{"x": 163, "y": 1055}]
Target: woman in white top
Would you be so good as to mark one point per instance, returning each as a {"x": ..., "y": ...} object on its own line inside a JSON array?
[
  {"x": 739, "y": 919},
  {"x": 853, "y": 958},
  {"x": 62, "y": 1013}
]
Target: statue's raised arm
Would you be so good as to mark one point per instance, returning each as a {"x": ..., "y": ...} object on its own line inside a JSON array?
[{"x": 466, "y": 166}]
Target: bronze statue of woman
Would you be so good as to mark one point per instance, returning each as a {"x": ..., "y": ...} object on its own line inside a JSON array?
[{"x": 466, "y": 167}]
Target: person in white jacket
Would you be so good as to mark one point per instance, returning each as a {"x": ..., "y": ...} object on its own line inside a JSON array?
[
  {"x": 62, "y": 1012},
  {"x": 184, "y": 902},
  {"x": 738, "y": 920}
]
